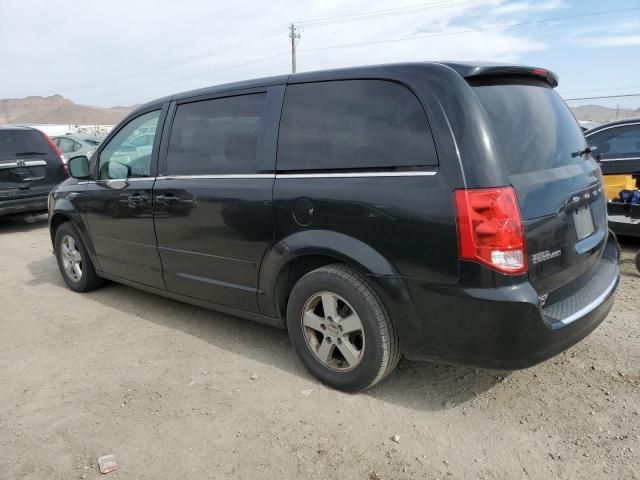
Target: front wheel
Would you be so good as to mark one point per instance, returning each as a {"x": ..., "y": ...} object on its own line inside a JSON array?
[
  {"x": 341, "y": 330},
  {"x": 73, "y": 260}
]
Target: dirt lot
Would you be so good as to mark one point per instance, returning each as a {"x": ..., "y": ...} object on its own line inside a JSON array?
[{"x": 167, "y": 389}]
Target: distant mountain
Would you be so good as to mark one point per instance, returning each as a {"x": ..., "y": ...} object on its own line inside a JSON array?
[
  {"x": 60, "y": 110},
  {"x": 57, "y": 109},
  {"x": 598, "y": 113}
]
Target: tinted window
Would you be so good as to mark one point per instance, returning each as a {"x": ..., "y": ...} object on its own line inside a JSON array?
[
  {"x": 534, "y": 128},
  {"x": 16, "y": 143},
  {"x": 216, "y": 136},
  {"x": 353, "y": 124},
  {"x": 623, "y": 141},
  {"x": 121, "y": 158}
]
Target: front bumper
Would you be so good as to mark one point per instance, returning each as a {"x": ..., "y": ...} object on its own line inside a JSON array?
[
  {"x": 505, "y": 327},
  {"x": 23, "y": 205}
]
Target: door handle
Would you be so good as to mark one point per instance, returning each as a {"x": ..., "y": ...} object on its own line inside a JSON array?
[
  {"x": 166, "y": 198},
  {"x": 138, "y": 198}
]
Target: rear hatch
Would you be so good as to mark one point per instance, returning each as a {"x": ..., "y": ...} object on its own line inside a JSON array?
[
  {"x": 29, "y": 164},
  {"x": 558, "y": 184}
]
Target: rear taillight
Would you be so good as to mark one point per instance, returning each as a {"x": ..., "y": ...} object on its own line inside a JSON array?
[
  {"x": 490, "y": 228},
  {"x": 63, "y": 160}
]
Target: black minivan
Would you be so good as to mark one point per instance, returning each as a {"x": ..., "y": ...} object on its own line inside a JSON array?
[{"x": 441, "y": 211}]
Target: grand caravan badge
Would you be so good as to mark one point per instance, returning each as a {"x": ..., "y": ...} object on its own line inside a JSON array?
[{"x": 544, "y": 256}]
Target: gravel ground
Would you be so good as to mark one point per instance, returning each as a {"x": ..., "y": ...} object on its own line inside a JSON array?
[{"x": 175, "y": 391}]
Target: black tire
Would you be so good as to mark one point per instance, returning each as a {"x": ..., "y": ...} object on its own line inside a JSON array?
[
  {"x": 380, "y": 344},
  {"x": 89, "y": 280},
  {"x": 638, "y": 261}
]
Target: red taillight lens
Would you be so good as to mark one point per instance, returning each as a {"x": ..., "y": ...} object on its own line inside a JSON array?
[
  {"x": 490, "y": 228},
  {"x": 63, "y": 160}
]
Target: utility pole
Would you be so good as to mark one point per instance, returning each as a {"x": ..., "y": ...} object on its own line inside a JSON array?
[{"x": 293, "y": 35}]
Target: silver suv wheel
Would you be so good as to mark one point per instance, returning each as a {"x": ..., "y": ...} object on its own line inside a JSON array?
[
  {"x": 71, "y": 258},
  {"x": 333, "y": 331}
]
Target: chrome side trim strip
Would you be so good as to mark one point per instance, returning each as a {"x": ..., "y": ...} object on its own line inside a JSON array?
[
  {"x": 606, "y": 160},
  {"x": 613, "y": 126},
  {"x": 26, "y": 163},
  {"x": 429, "y": 173},
  {"x": 593, "y": 305},
  {"x": 302, "y": 175},
  {"x": 358, "y": 174},
  {"x": 214, "y": 177},
  {"x": 106, "y": 182}
]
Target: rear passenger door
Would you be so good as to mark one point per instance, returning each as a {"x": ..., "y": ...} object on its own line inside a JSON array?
[
  {"x": 212, "y": 207},
  {"x": 357, "y": 158}
]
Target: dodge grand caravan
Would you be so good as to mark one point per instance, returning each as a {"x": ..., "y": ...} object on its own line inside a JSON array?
[{"x": 441, "y": 211}]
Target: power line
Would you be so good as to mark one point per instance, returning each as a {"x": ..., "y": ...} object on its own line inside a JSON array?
[
  {"x": 210, "y": 72},
  {"x": 195, "y": 56},
  {"x": 604, "y": 96},
  {"x": 281, "y": 28},
  {"x": 356, "y": 17},
  {"x": 471, "y": 30},
  {"x": 602, "y": 89}
]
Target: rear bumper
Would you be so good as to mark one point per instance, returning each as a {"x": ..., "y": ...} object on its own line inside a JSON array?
[
  {"x": 505, "y": 327},
  {"x": 23, "y": 205}
]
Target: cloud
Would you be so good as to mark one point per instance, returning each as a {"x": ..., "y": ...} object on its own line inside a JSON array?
[
  {"x": 616, "y": 41},
  {"x": 128, "y": 52},
  {"x": 601, "y": 35}
]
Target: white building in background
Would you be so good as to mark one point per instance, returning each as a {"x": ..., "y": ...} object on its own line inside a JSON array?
[{"x": 62, "y": 129}]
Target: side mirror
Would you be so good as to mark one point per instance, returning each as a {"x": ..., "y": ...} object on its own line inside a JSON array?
[{"x": 79, "y": 167}]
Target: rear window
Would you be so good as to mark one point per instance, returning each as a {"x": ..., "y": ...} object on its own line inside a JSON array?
[
  {"x": 534, "y": 128},
  {"x": 353, "y": 124},
  {"x": 17, "y": 143}
]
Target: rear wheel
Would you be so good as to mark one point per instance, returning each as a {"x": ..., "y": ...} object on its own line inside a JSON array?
[
  {"x": 341, "y": 329},
  {"x": 74, "y": 261}
]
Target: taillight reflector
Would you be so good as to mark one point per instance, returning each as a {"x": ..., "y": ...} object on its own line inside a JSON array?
[
  {"x": 58, "y": 152},
  {"x": 490, "y": 229}
]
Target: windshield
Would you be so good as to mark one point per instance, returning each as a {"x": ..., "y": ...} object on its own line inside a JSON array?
[{"x": 534, "y": 128}]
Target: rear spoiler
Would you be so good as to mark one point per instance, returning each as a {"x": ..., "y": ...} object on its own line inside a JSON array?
[{"x": 482, "y": 72}]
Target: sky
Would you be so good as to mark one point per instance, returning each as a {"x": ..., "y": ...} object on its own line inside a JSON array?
[{"x": 128, "y": 52}]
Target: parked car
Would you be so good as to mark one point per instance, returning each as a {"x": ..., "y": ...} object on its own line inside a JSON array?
[
  {"x": 424, "y": 209},
  {"x": 616, "y": 146},
  {"x": 75, "y": 145},
  {"x": 30, "y": 167}
]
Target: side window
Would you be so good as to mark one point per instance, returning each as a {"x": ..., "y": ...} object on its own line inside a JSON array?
[
  {"x": 125, "y": 156},
  {"x": 621, "y": 141},
  {"x": 216, "y": 136},
  {"x": 354, "y": 124}
]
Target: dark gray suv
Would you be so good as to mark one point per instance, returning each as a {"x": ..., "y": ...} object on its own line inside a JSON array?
[{"x": 30, "y": 167}]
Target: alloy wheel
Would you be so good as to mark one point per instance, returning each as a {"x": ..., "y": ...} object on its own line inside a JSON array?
[
  {"x": 71, "y": 258},
  {"x": 333, "y": 331}
]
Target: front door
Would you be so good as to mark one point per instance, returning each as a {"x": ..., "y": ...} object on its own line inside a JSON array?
[
  {"x": 213, "y": 212},
  {"x": 118, "y": 206}
]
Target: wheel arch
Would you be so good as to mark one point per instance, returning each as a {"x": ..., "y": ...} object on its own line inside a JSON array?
[
  {"x": 69, "y": 214},
  {"x": 292, "y": 257}
]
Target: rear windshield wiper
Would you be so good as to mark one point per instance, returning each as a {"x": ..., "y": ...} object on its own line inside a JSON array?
[
  {"x": 22, "y": 154},
  {"x": 580, "y": 153}
]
